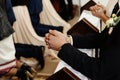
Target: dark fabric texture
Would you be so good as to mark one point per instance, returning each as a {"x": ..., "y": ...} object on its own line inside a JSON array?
[
  {"x": 2, "y": 4},
  {"x": 19, "y": 2},
  {"x": 5, "y": 27},
  {"x": 28, "y": 51},
  {"x": 9, "y": 11},
  {"x": 35, "y": 7},
  {"x": 116, "y": 8},
  {"x": 42, "y": 29}
]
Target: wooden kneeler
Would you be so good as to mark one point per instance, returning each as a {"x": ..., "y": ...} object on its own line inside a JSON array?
[{"x": 63, "y": 74}]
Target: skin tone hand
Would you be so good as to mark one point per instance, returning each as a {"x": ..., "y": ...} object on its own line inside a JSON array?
[
  {"x": 55, "y": 39},
  {"x": 99, "y": 11}
]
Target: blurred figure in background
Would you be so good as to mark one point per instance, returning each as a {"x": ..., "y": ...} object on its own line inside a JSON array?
[{"x": 63, "y": 9}]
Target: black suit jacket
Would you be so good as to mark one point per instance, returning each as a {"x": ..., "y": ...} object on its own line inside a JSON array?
[{"x": 107, "y": 66}]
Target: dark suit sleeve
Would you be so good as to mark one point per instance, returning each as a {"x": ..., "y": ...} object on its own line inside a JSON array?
[
  {"x": 91, "y": 40},
  {"x": 80, "y": 61}
]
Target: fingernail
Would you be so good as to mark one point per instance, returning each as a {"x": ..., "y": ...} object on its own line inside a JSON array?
[{"x": 50, "y": 30}]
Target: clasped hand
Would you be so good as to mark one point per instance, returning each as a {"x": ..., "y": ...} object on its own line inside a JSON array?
[
  {"x": 55, "y": 39},
  {"x": 98, "y": 10}
]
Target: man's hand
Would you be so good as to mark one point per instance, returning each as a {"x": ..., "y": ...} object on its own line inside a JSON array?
[
  {"x": 55, "y": 39},
  {"x": 99, "y": 11}
]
